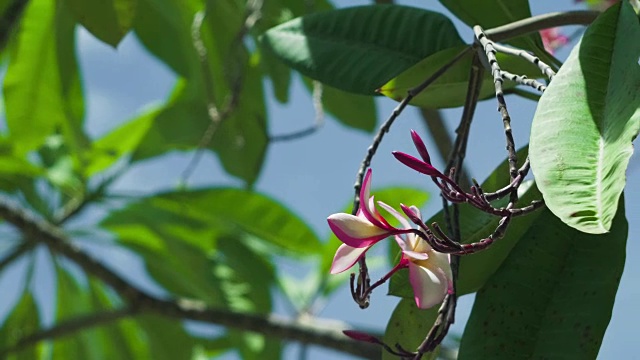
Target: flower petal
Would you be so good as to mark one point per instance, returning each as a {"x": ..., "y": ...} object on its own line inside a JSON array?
[
  {"x": 422, "y": 149},
  {"x": 346, "y": 256},
  {"x": 416, "y": 164},
  {"x": 416, "y": 255},
  {"x": 405, "y": 224},
  {"x": 429, "y": 287},
  {"x": 355, "y": 231}
]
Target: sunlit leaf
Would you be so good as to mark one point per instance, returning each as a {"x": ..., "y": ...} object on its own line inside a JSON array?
[
  {"x": 450, "y": 90},
  {"x": 582, "y": 133},
  {"x": 359, "y": 49},
  {"x": 217, "y": 210},
  {"x": 42, "y": 89}
]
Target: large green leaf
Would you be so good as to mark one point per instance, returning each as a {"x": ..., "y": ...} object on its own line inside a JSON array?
[
  {"x": 494, "y": 13},
  {"x": 585, "y": 122},
  {"x": 214, "y": 211},
  {"x": 475, "y": 225},
  {"x": 23, "y": 321},
  {"x": 358, "y": 49},
  {"x": 108, "y": 20},
  {"x": 450, "y": 90},
  {"x": 408, "y": 327},
  {"x": 239, "y": 138},
  {"x": 552, "y": 297},
  {"x": 42, "y": 88}
]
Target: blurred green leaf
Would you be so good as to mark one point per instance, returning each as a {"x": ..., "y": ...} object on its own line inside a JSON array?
[
  {"x": 71, "y": 301},
  {"x": 217, "y": 210},
  {"x": 552, "y": 297},
  {"x": 408, "y": 327},
  {"x": 586, "y": 121},
  {"x": 493, "y": 13},
  {"x": 166, "y": 338},
  {"x": 359, "y": 49},
  {"x": 43, "y": 71},
  {"x": 108, "y": 20},
  {"x": 22, "y": 321},
  {"x": 239, "y": 137}
]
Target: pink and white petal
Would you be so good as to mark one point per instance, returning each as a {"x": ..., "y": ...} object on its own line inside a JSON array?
[
  {"x": 403, "y": 221},
  {"x": 404, "y": 244},
  {"x": 429, "y": 287},
  {"x": 379, "y": 219},
  {"x": 366, "y": 187},
  {"x": 442, "y": 262},
  {"x": 416, "y": 255},
  {"x": 346, "y": 256},
  {"x": 355, "y": 231}
]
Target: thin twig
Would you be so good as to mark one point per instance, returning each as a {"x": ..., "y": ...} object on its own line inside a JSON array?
[
  {"x": 271, "y": 325},
  {"x": 216, "y": 115},
  {"x": 446, "y": 314},
  {"x": 360, "y": 293},
  {"x": 544, "y": 67},
  {"x": 318, "y": 120}
]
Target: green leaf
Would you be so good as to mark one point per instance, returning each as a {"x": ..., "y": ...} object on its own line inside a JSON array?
[
  {"x": 358, "y": 49},
  {"x": 494, "y": 13},
  {"x": 552, "y": 297},
  {"x": 120, "y": 142},
  {"x": 239, "y": 137},
  {"x": 582, "y": 132},
  {"x": 24, "y": 320},
  {"x": 108, "y": 20},
  {"x": 392, "y": 196},
  {"x": 450, "y": 90},
  {"x": 166, "y": 338},
  {"x": 215, "y": 210},
  {"x": 43, "y": 71},
  {"x": 408, "y": 327},
  {"x": 477, "y": 268},
  {"x": 353, "y": 110}
]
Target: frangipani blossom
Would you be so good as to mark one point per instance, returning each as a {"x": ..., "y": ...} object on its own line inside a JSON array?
[
  {"x": 361, "y": 231},
  {"x": 429, "y": 271},
  {"x": 553, "y": 39}
]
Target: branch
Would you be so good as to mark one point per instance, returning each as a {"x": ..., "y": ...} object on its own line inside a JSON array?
[
  {"x": 68, "y": 327},
  {"x": 270, "y": 325},
  {"x": 540, "y": 22}
]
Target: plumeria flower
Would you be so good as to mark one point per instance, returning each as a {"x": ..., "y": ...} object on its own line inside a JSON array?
[
  {"x": 553, "y": 39},
  {"x": 361, "y": 231},
  {"x": 429, "y": 271}
]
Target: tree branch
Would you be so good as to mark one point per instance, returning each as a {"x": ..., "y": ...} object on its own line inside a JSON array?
[
  {"x": 68, "y": 327},
  {"x": 271, "y": 325},
  {"x": 540, "y": 22}
]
